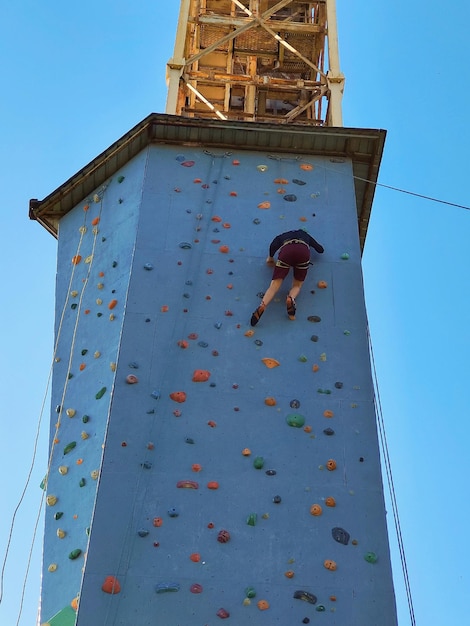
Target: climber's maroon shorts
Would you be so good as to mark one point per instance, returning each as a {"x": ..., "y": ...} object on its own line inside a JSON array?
[{"x": 295, "y": 255}]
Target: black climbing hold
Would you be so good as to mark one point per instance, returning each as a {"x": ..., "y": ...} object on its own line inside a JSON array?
[
  {"x": 294, "y": 404},
  {"x": 202, "y": 344},
  {"x": 256, "y": 221},
  {"x": 314, "y": 338},
  {"x": 189, "y": 440},
  {"x": 306, "y": 596},
  {"x": 314, "y": 318},
  {"x": 173, "y": 512},
  {"x": 340, "y": 535},
  {"x": 339, "y": 385},
  {"x": 271, "y": 472},
  {"x": 277, "y": 499},
  {"x": 185, "y": 245},
  {"x": 290, "y": 197},
  {"x": 298, "y": 182},
  {"x": 258, "y": 342},
  {"x": 329, "y": 431}
]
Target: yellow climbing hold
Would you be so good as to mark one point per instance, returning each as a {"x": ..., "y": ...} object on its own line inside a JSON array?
[
  {"x": 84, "y": 435},
  {"x": 97, "y": 355},
  {"x": 323, "y": 356},
  {"x": 89, "y": 259},
  {"x": 94, "y": 474},
  {"x": 249, "y": 333},
  {"x": 63, "y": 469},
  {"x": 112, "y": 367},
  {"x": 61, "y": 533},
  {"x": 52, "y": 567},
  {"x": 70, "y": 412},
  {"x": 270, "y": 363},
  {"x": 74, "y": 294},
  {"x": 99, "y": 301},
  {"x": 51, "y": 500}
]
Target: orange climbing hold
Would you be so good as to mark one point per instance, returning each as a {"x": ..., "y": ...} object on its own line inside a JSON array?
[
  {"x": 95, "y": 221},
  {"x": 216, "y": 218},
  {"x": 263, "y": 605},
  {"x": 157, "y": 522},
  {"x": 201, "y": 376},
  {"x": 330, "y": 501},
  {"x": 315, "y": 367},
  {"x": 112, "y": 304},
  {"x": 270, "y": 401},
  {"x": 316, "y": 510},
  {"x": 111, "y": 585},
  {"x": 270, "y": 363},
  {"x": 196, "y": 467},
  {"x": 328, "y": 413},
  {"x": 264, "y": 205},
  {"x": 213, "y": 484},
  {"x": 183, "y": 344},
  {"x": 178, "y": 396},
  {"x": 195, "y": 557},
  {"x": 331, "y": 465},
  {"x": 76, "y": 259},
  {"x": 246, "y": 451},
  {"x": 306, "y": 167},
  {"x": 322, "y": 284},
  {"x": 224, "y": 249},
  {"x": 281, "y": 181},
  {"x": 249, "y": 333}
]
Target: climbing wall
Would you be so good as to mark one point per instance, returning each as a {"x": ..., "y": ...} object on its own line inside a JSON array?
[{"x": 201, "y": 469}]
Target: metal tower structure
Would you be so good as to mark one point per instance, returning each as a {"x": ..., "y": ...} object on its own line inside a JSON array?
[{"x": 257, "y": 60}]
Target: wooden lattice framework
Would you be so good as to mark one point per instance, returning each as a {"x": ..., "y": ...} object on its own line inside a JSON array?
[{"x": 257, "y": 60}]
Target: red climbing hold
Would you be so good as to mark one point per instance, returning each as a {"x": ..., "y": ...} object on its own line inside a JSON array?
[
  {"x": 178, "y": 396},
  {"x": 201, "y": 376},
  {"x": 111, "y": 585}
]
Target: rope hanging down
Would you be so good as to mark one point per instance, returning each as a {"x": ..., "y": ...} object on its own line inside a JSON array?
[{"x": 391, "y": 487}]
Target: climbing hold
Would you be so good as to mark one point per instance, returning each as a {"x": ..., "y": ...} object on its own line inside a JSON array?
[
  {"x": 58, "y": 515},
  {"x": 212, "y": 424},
  {"x": 75, "y": 554},
  {"x": 224, "y": 249},
  {"x": 143, "y": 532},
  {"x": 131, "y": 379},
  {"x": 69, "y": 447},
  {"x": 331, "y": 465},
  {"x": 157, "y": 522},
  {"x": 330, "y": 501},
  {"x": 195, "y": 557},
  {"x": 178, "y": 396},
  {"x": 120, "y": 179},
  {"x": 112, "y": 304},
  {"x": 289, "y": 574},
  {"x": 297, "y": 181},
  {"x": 250, "y": 592},
  {"x": 223, "y": 613},
  {"x": 277, "y": 499},
  {"x": 60, "y": 533},
  {"x": 213, "y": 484},
  {"x": 94, "y": 474},
  {"x": 188, "y": 163},
  {"x": 316, "y": 510},
  {"x": 187, "y": 484},
  {"x": 246, "y": 451},
  {"x": 294, "y": 404},
  {"x": 173, "y": 512},
  {"x": 345, "y": 256},
  {"x": 371, "y": 557},
  {"x": 270, "y": 401},
  {"x": 290, "y": 197},
  {"x": 303, "y": 358},
  {"x": 325, "y": 391},
  {"x": 323, "y": 356},
  {"x": 270, "y": 472},
  {"x": 263, "y": 605},
  {"x": 111, "y": 585},
  {"x": 76, "y": 259},
  {"x": 223, "y": 536},
  {"x": 295, "y": 420},
  {"x": 258, "y": 462},
  {"x": 147, "y": 465},
  {"x": 264, "y": 205},
  {"x": 270, "y": 363},
  {"x": 306, "y": 596},
  {"x": 340, "y": 535},
  {"x": 196, "y": 588},
  {"x": 100, "y": 393},
  {"x": 63, "y": 469},
  {"x": 82, "y": 482},
  {"x": 148, "y": 267},
  {"x": 201, "y": 376},
  {"x": 328, "y": 413},
  {"x": 262, "y": 168},
  {"x": 185, "y": 245},
  {"x": 52, "y": 567},
  {"x": 252, "y": 519},
  {"x": 306, "y": 167},
  {"x": 189, "y": 440},
  {"x": 329, "y": 564},
  {"x": 314, "y": 318},
  {"x": 314, "y": 338},
  {"x": 164, "y": 587},
  {"x": 196, "y": 467},
  {"x": 315, "y": 367},
  {"x": 322, "y": 284},
  {"x": 155, "y": 394}
]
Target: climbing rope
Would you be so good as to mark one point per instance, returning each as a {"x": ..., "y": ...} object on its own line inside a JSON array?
[{"x": 391, "y": 487}]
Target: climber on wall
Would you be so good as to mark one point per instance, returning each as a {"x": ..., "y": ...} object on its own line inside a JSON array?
[{"x": 294, "y": 251}]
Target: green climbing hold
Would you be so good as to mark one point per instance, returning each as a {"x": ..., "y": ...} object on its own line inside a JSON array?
[
  {"x": 250, "y": 592},
  {"x": 100, "y": 393},
  {"x": 58, "y": 515},
  {"x": 320, "y": 608},
  {"x": 303, "y": 358},
  {"x": 82, "y": 482},
  {"x": 258, "y": 462},
  {"x": 295, "y": 420},
  {"x": 43, "y": 483},
  {"x": 84, "y": 351},
  {"x": 65, "y": 617},
  {"x": 75, "y": 554},
  {"x": 252, "y": 519},
  {"x": 370, "y": 557},
  {"x": 69, "y": 447},
  {"x": 345, "y": 256},
  {"x": 120, "y": 179},
  {"x": 85, "y": 419},
  {"x": 325, "y": 391}
]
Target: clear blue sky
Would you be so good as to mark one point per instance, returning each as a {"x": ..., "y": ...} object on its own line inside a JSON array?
[{"x": 75, "y": 78}]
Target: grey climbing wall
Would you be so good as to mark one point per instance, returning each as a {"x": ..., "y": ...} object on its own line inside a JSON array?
[{"x": 201, "y": 469}]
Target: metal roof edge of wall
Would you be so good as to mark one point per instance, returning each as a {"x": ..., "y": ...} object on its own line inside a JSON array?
[{"x": 363, "y": 146}]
